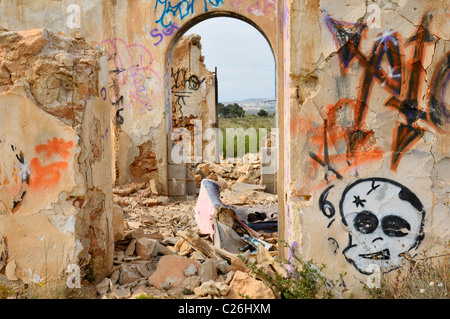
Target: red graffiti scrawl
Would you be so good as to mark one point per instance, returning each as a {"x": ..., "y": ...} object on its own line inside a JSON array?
[
  {"x": 47, "y": 176},
  {"x": 55, "y": 147}
]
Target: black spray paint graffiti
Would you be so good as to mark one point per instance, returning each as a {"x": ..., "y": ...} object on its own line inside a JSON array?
[
  {"x": 180, "y": 80},
  {"x": 384, "y": 220},
  {"x": 118, "y": 104},
  {"x": 438, "y": 107},
  {"x": 24, "y": 174},
  {"x": 325, "y": 162},
  {"x": 405, "y": 94},
  {"x": 182, "y": 87}
]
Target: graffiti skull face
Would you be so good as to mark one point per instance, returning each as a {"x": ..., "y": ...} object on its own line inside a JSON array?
[{"x": 384, "y": 220}]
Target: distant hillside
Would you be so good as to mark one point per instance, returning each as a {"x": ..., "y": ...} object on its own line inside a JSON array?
[{"x": 252, "y": 106}]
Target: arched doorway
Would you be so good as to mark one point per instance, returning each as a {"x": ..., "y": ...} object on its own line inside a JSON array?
[{"x": 186, "y": 77}]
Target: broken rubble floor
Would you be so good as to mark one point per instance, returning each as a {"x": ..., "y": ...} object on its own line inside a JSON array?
[{"x": 166, "y": 221}]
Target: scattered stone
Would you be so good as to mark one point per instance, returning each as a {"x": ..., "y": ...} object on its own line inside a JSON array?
[
  {"x": 115, "y": 276},
  {"x": 143, "y": 270},
  {"x": 182, "y": 247},
  {"x": 238, "y": 265},
  {"x": 170, "y": 240},
  {"x": 243, "y": 179},
  {"x": 245, "y": 285},
  {"x": 129, "y": 274},
  {"x": 191, "y": 282},
  {"x": 131, "y": 248},
  {"x": 160, "y": 247},
  {"x": 164, "y": 250},
  {"x": 146, "y": 247},
  {"x": 208, "y": 271},
  {"x": 205, "y": 168},
  {"x": 207, "y": 288},
  {"x": 212, "y": 288},
  {"x": 155, "y": 186},
  {"x": 224, "y": 289},
  {"x": 120, "y": 292},
  {"x": 229, "y": 277},
  {"x": 171, "y": 266},
  {"x": 150, "y": 202},
  {"x": 190, "y": 270},
  {"x": 222, "y": 266},
  {"x": 10, "y": 271},
  {"x": 103, "y": 287},
  {"x": 198, "y": 256}
]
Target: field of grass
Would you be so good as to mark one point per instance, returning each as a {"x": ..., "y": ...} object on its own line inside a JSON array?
[{"x": 242, "y": 129}]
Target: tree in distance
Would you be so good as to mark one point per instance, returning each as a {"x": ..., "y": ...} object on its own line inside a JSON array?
[
  {"x": 230, "y": 110},
  {"x": 263, "y": 113}
]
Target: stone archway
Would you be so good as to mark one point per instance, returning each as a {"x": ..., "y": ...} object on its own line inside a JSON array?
[{"x": 181, "y": 85}]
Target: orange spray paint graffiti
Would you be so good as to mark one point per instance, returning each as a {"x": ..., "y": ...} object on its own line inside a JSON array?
[
  {"x": 339, "y": 147},
  {"x": 47, "y": 176},
  {"x": 55, "y": 147}
]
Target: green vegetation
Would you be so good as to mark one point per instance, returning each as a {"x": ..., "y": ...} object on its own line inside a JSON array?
[
  {"x": 262, "y": 113},
  {"x": 6, "y": 291},
  {"x": 424, "y": 278},
  {"x": 240, "y": 128},
  {"x": 230, "y": 110},
  {"x": 304, "y": 281}
]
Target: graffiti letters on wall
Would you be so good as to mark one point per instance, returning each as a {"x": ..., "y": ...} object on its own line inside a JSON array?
[
  {"x": 344, "y": 128},
  {"x": 384, "y": 219},
  {"x": 183, "y": 85},
  {"x": 132, "y": 67},
  {"x": 166, "y": 10},
  {"x": 405, "y": 97}
]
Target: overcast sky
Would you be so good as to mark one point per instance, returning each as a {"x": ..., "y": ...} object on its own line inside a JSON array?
[{"x": 245, "y": 63}]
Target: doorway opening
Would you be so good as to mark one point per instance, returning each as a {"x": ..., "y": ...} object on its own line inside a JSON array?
[{"x": 221, "y": 78}]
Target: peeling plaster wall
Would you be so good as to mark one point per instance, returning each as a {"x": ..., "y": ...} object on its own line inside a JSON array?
[
  {"x": 369, "y": 134},
  {"x": 55, "y": 195}
]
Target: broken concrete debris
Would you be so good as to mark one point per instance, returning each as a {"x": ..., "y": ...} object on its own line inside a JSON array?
[{"x": 196, "y": 247}]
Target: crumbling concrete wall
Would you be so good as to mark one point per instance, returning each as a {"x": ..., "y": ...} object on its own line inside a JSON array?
[
  {"x": 193, "y": 93},
  {"x": 55, "y": 142},
  {"x": 193, "y": 97},
  {"x": 368, "y": 133},
  {"x": 139, "y": 37},
  {"x": 146, "y": 33}
]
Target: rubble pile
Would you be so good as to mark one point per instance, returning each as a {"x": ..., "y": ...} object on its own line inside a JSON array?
[
  {"x": 162, "y": 250},
  {"x": 230, "y": 171}
]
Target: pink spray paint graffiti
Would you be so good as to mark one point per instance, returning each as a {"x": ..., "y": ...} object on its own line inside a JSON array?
[
  {"x": 261, "y": 7},
  {"x": 133, "y": 66}
]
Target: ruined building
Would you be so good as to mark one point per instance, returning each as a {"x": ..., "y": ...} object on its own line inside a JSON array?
[
  {"x": 87, "y": 100},
  {"x": 194, "y": 105}
]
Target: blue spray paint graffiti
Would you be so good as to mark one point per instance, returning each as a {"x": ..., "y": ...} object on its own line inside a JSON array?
[
  {"x": 182, "y": 9},
  {"x": 157, "y": 33}
]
